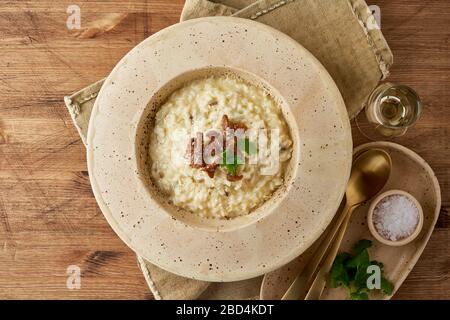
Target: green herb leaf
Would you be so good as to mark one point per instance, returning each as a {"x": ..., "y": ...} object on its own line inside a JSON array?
[
  {"x": 231, "y": 165},
  {"x": 232, "y": 169},
  {"x": 339, "y": 274},
  {"x": 361, "y": 245},
  {"x": 359, "y": 295},
  {"x": 386, "y": 287},
  {"x": 361, "y": 276},
  {"x": 350, "y": 271},
  {"x": 249, "y": 147},
  {"x": 359, "y": 261}
]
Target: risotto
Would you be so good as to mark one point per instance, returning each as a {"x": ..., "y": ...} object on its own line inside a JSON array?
[{"x": 223, "y": 187}]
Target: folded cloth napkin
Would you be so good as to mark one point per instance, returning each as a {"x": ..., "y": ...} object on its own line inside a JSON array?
[{"x": 342, "y": 34}]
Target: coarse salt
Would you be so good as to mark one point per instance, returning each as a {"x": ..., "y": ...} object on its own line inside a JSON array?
[{"x": 396, "y": 217}]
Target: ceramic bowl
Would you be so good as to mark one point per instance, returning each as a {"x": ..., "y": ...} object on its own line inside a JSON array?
[
  {"x": 179, "y": 241},
  {"x": 373, "y": 229}
]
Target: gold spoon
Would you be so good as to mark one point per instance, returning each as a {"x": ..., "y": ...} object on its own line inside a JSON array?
[{"x": 370, "y": 172}]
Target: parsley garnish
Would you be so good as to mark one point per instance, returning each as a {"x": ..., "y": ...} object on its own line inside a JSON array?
[
  {"x": 350, "y": 271},
  {"x": 231, "y": 165}
]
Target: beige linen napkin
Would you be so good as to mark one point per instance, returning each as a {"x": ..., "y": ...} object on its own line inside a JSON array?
[{"x": 342, "y": 34}]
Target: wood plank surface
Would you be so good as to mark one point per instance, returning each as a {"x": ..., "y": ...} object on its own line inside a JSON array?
[{"x": 48, "y": 216}]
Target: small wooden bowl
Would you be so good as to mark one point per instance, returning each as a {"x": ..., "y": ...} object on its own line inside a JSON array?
[{"x": 373, "y": 229}]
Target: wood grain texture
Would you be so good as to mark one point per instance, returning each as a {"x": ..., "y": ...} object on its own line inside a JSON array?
[{"x": 48, "y": 215}]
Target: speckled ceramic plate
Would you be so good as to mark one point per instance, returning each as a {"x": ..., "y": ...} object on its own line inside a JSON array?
[
  {"x": 180, "y": 242},
  {"x": 409, "y": 173}
]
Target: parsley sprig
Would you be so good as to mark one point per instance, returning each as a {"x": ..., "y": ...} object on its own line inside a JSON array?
[
  {"x": 232, "y": 164},
  {"x": 350, "y": 271}
]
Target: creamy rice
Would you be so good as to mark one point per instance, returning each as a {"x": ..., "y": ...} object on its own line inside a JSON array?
[{"x": 199, "y": 107}]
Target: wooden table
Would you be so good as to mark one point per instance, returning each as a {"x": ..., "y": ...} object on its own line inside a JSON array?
[{"x": 48, "y": 216}]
